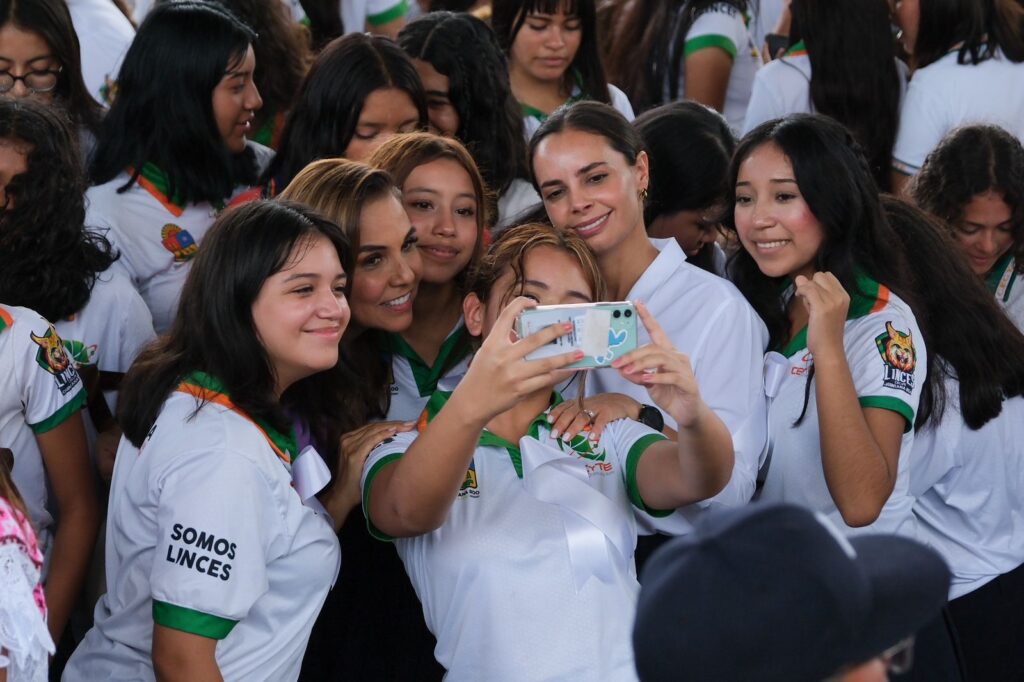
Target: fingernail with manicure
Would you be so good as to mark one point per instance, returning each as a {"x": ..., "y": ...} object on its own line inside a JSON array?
[{"x": 554, "y": 433}]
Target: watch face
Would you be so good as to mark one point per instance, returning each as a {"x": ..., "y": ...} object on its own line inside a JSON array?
[{"x": 651, "y": 416}]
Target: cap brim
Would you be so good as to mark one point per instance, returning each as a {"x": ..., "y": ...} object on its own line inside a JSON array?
[{"x": 910, "y": 585}]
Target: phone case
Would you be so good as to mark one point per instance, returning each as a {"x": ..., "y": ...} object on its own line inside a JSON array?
[{"x": 603, "y": 331}]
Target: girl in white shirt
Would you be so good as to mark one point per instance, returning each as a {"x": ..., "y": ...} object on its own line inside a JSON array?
[
  {"x": 173, "y": 148},
  {"x": 218, "y": 555},
  {"x": 482, "y": 485},
  {"x": 974, "y": 181},
  {"x": 553, "y": 56}
]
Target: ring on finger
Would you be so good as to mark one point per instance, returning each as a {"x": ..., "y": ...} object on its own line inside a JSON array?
[{"x": 591, "y": 414}]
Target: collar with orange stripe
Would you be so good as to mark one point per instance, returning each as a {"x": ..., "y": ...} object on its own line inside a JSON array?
[
  {"x": 5, "y": 319},
  {"x": 868, "y": 296},
  {"x": 797, "y": 49},
  {"x": 209, "y": 389}
]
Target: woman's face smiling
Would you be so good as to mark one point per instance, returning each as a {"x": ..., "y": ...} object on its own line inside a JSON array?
[
  {"x": 546, "y": 45},
  {"x": 444, "y": 210},
  {"x": 301, "y": 312},
  {"x": 386, "y": 112},
  {"x": 235, "y": 102},
  {"x": 589, "y": 187},
  {"x": 387, "y": 269},
  {"x": 774, "y": 223}
]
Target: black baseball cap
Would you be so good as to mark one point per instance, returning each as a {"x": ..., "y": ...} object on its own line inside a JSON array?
[{"x": 775, "y": 592}]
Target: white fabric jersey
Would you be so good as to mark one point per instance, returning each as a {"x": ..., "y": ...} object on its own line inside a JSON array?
[
  {"x": 519, "y": 198},
  {"x": 532, "y": 118},
  {"x": 945, "y": 95},
  {"x": 205, "y": 534},
  {"x": 724, "y": 27},
  {"x": 497, "y": 579},
  {"x": 1008, "y": 286},
  {"x": 39, "y": 391},
  {"x": 358, "y": 14},
  {"x": 413, "y": 381},
  {"x": 104, "y": 35},
  {"x": 156, "y": 238},
  {"x": 110, "y": 331},
  {"x": 783, "y": 87},
  {"x": 708, "y": 319},
  {"x": 887, "y": 360},
  {"x": 969, "y": 490},
  {"x": 766, "y": 15}
]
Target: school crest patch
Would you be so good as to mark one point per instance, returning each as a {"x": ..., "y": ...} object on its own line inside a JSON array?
[
  {"x": 898, "y": 358},
  {"x": 179, "y": 242},
  {"x": 469, "y": 485},
  {"x": 52, "y": 357}
]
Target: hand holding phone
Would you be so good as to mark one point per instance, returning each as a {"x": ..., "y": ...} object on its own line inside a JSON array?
[{"x": 602, "y": 331}]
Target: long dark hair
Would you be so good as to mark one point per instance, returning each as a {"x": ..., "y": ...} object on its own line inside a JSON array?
[
  {"x": 214, "y": 330},
  {"x": 645, "y": 52},
  {"x": 975, "y": 28},
  {"x": 490, "y": 122},
  {"x": 969, "y": 336},
  {"x": 48, "y": 261},
  {"x": 863, "y": 93},
  {"x": 326, "y": 111},
  {"x": 968, "y": 162},
  {"x": 163, "y": 112},
  {"x": 325, "y": 22},
  {"x": 835, "y": 181},
  {"x": 52, "y": 21},
  {"x": 689, "y": 147},
  {"x": 508, "y": 17},
  {"x": 282, "y": 54}
]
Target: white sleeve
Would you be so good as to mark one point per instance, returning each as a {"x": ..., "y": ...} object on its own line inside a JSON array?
[
  {"x": 887, "y": 363},
  {"x": 217, "y": 523},
  {"x": 51, "y": 388},
  {"x": 728, "y": 364},
  {"x": 379, "y": 12},
  {"x": 387, "y": 452},
  {"x": 621, "y": 102},
  {"x": 136, "y": 329},
  {"x": 922, "y": 126},
  {"x": 629, "y": 440},
  {"x": 716, "y": 27},
  {"x": 765, "y": 103}
]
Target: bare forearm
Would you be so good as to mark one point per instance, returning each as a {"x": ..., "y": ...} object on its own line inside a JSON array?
[
  {"x": 858, "y": 476},
  {"x": 413, "y": 496},
  {"x": 183, "y": 657},
  {"x": 72, "y": 547}
]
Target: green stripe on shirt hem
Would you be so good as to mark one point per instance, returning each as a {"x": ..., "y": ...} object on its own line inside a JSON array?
[
  {"x": 632, "y": 460},
  {"x": 389, "y": 15},
  {"x": 370, "y": 475},
  {"x": 705, "y": 41},
  {"x": 896, "y": 405},
  {"x": 191, "y": 621},
  {"x": 61, "y": 415}
]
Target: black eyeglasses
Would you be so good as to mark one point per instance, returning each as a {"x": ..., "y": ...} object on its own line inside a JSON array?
[{"x": 35, "y": 81}]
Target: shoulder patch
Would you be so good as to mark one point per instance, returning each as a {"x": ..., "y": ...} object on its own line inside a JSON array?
[
  {"x": 53, "y": 358},
  {"x": 898, "y": 357}
]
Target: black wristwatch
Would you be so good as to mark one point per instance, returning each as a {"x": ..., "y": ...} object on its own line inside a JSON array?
[{"x": 651, "y": 416}]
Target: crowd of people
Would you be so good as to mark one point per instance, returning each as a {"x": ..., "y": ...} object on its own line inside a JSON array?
[{"x": 268, "y": 411}]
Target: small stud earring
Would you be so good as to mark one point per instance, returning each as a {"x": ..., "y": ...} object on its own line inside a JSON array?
[{"x": 642, "y": 194}]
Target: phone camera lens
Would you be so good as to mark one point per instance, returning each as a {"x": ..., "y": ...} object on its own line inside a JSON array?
[
  {"x": 616, "y": 314},
  {"x": 628, "y": 313}
]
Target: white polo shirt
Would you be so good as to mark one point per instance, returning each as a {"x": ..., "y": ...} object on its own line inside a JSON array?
[
  {"x": 413, "y": 381},
  {"x": 1008, "y": 287},
  {"x": 783, "y": 87},
  {"x": 969, "y": 490},
  {"x": 945, "y": 95},
  {"x": 887, "y": 359},
  {"x": 39, "y": 391},
  {"x": 497, "y": 579},
  {"x": 110, "y": 331},
  {"x": 708, "y": 319},
  {"x": 533, "y": 117},
  {"x": 104, "y": 35},
  {"x": 724, "y": 27},
  {"x": 156, "y": 235},
  {"x": 205, "y": 534}
]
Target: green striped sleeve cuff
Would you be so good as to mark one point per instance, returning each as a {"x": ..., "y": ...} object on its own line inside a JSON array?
[
  {"x": 632, "y": 460},
  {"x": 61, "y": 415},
  {"x": 710, "y": 40},
  {"x": 389, "y": 15},
  {"x": 883, "y": 402},
  {"x": 370, "y": 475},
  {"x": 191, "y": 621}
]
